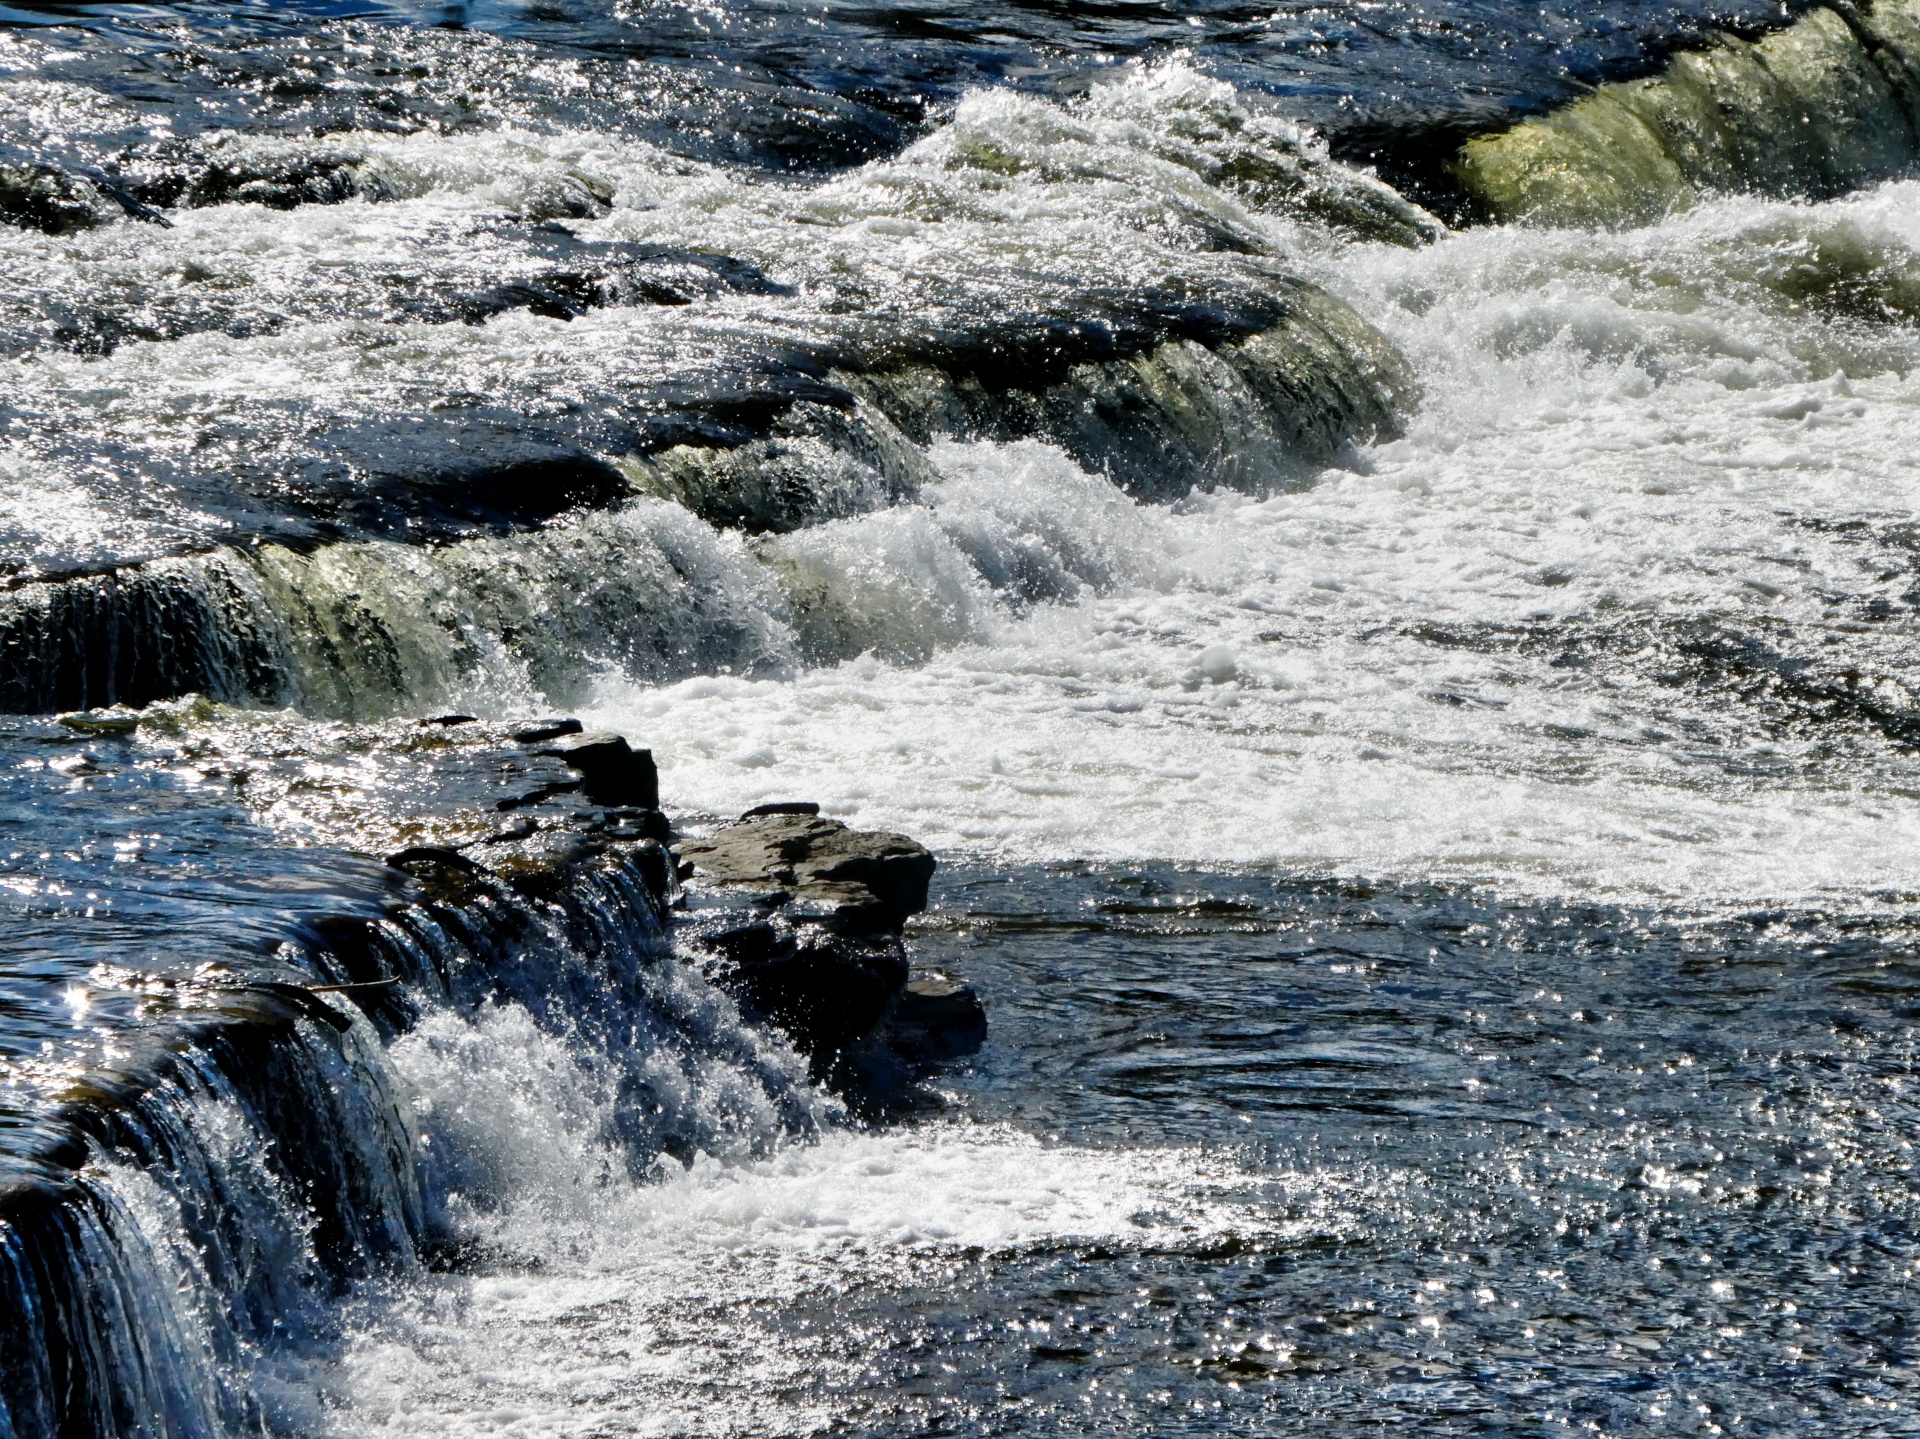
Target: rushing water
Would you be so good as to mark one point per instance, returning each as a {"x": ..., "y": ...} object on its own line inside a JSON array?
[{"x": 1408, "y": 670}]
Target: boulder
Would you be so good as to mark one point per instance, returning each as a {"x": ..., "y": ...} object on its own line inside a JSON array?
[
  {"x": 851, "y": 881},
  {"x": 613, "y": 772}
]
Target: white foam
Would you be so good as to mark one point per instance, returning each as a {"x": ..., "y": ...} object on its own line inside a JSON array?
[
  {"x": 1618, "y": 429},
  {"x": 668, "y": 1306}
]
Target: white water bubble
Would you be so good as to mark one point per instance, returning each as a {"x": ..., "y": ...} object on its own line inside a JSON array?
[{"x": 1220, "y": 663}]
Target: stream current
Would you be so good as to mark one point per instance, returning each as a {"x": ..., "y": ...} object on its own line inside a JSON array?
[{"x": 1445, "y": 909}]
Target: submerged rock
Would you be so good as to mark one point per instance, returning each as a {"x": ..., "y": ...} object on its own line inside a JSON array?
[
  {"x": 934, "y": 1019},
  {"x": 445, "y": 475},
  {"x": 39, "y": 197}
]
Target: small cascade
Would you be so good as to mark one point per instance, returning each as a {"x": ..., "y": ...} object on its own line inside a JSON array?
[
  {"x": 197, "y": 624},
  {"x": 212, "y": 1201},
  {"x": 1115, "y": 275},
  {"x": 1374, "y": 686},
  {"x": 255, "y": 1152},
  {"x": 663, "y": 586},
  {"x": 1825, "y": 106}
]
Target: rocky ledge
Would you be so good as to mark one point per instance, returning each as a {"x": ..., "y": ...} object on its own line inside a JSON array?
[
  {"x": 797, "y": 916},
  {"x": 802, "y": 921}
]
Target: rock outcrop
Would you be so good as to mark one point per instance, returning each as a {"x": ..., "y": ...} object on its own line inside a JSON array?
[
  {"x": 851, "y": 881},
  {"x": 823, "y": 954},
  {"x": 611, "y": 771},
  {"x": 1819, "y": 108}
]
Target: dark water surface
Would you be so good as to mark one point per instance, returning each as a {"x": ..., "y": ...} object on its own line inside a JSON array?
[
  {"x": 1373, "y": 77},
  {"x": 1561, "y": 1168}
]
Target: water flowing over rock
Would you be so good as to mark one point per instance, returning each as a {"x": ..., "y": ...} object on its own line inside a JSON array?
[
  {"x": 1823, "y": 107},
  {"x": 1377, "y": 543},
  {"x": 285, "y": 1163},
  {"x": 355, "y": 628}
]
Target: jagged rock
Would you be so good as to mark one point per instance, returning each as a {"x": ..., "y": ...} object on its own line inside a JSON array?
[
  {"x": 39, "y": 197},
  {"x": 853, "y": 881},
  {"x": 829, "y": 965},
  {"x": 614, "y": 772},
  {"x": 188, "y": 173}
]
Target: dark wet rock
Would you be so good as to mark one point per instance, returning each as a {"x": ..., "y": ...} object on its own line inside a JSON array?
[
  {"x": 930, "y": 1021},
  {"x": 444, "y": 875},
  {"x": 39, "y": 197},
  {"x": 808, "y": 937},
  {"x": 826, "y": 992},
  {"x": 612, "y": 771},
  {"x": 444, "y": 475},
  {"x": 627, "y": 822},
  {"x": 518, "y": 830},
  {"x": 545, "y": 729},
  {"x": 188, "y": 174},
  {"x": 654, "y": 862},
  {"x": 1180, "y": 394},
  {"x": 852, "y": 881},
  {"x": 539, "y": 796},
  {"x": 818, "y": 460},
  {"x": 432, "y": 856},
  {"x": 169, "y": 628},
  {"x": 934, "y": 1019}
]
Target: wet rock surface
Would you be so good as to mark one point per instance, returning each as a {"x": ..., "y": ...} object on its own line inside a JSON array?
[
  {"x": 52, "y": 201},
  {"x": 490, "y": 826},
  {"x": 611, "y": 771},
  {"x": 523, "y": 865},
  {"x": 853, "y": 881},
  {"x": 1819, "y": 108},
  {"x": 824, "y": 956}
]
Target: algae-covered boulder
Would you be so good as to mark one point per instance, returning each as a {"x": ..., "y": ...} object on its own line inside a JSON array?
[{"x": 1822, "y": 107}]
